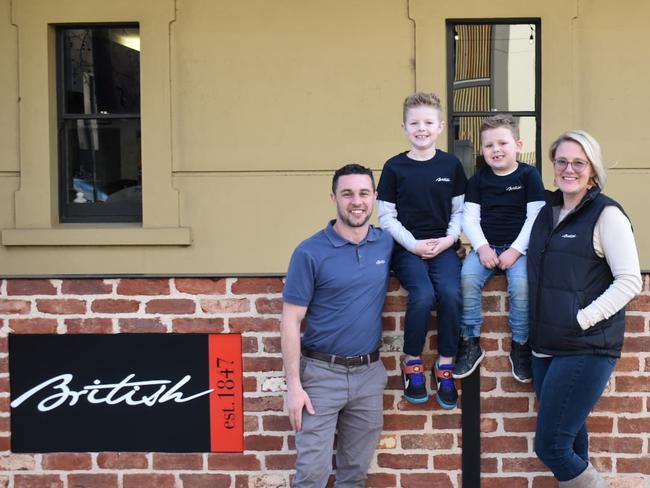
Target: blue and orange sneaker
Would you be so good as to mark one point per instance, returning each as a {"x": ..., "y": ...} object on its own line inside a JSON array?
[
  {"x": 446, "y": 393},
  {"x": 415, "y": 388}
]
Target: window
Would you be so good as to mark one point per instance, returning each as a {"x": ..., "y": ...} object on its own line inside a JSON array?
[
  {"x": 98, "y": 87},
  {"x": 493, "y": 67}
]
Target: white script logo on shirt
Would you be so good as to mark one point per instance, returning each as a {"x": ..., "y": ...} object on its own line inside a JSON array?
[
  {"x": 514, "y": 188},
  {"x": 443, "y": 180},
  {"x": 568, "y": 236},
  {"x": 380, "y": 261}
]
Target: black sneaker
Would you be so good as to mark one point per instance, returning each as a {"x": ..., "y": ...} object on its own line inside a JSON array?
[
  {"x": 446, "y": 393},
  {"x": 415, "y": 388},
  {"x": 520, "y": 360},
  {"x": 469, "y": 357}
]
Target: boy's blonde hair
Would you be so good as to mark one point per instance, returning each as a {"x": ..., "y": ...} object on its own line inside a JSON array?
[
  {"x": 591, "y": 149},
  {"x": 500, "y": 120},
  {"x": 419, "y": 99}
]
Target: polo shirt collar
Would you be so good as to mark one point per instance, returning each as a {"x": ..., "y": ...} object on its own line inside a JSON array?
[{"x": 338, "y": 241}]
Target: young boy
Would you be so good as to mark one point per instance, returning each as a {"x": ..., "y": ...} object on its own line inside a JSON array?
[
  {"x": 501, "y": 204},
  {"x": 420, "y": 202}
]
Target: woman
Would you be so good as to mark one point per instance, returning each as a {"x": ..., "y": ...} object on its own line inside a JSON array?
[{"x": 583, "y": 269}]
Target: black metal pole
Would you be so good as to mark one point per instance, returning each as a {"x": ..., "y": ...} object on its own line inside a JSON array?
[{"x": 471, "y": 430}]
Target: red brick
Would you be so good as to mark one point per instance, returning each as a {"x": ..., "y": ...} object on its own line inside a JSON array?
[
  {"x": 492, "y": 303},
  {"x": 600, "y": 423},
  {"x": 122, "y": 460},
  {"x": 61, "y": 306},
  {"x": 251, "y": 423},
  {"x": 634, "y": 426},
  {"x": 262, "y": 364},
  {"x": 491, "y": 345},
  {"x": 629, "y": 445},
  {"x": 633, "y": 383},
  {"x": 447, "y": 462},
  {"x": 253, "y": 324},
  {"x": 393, "y": 284},
  {"x": 143, "y": 286},
  {"x": 634, "y": 323},
  {"x": 627, "y": 364},
  {"x": 237, "y": 462},
  {"x": 263, "y": 443},
  {"x": 89, "y": 326},
  {"x": 520, "y": 424},
  {"x": 276, "y": 423},
  {"x": 201, "y": 286},
  {"x": 85, "y": 287},
  {"x": 257, "y": 286},
  {"x": 93, "y": 481},
  {"x": 271, "y": 344},
  {"x": 636, "y": 344},
  {"x": 198, "y": 325},
  {"x": 511, "y": 385},
  {"x": 501, "y": 444},
  {"x": 495, "y": 323},
  {"x": 33, "y": 326},
  {"x": 4, "y": 405},
  {"x": 388, "y": 323},
  {"x": 488, "y": 383},
  {"x": 381, "y": 480},
  {"x": 4, "y": 345},
  {"x": 496, "y": 364},
  {"x": 242, "y": 481},
  {"x": 38, "y": 481},
  {"x": 226, "y": 305},
  {"x": 426, "y": 480},
  {"x": 5, "y": 443},
  {"x": 269, "y": 306},
  {"x": 149, "y": 481},
  {"x": 14, "y": 306},
  {"x": 489, "y": 465},
  {"x": 496, "y": 283},
  {"x": 262, "y": 404},
  {"x": 640, "y": 304},
  {"x": 446, "y": 421},
  {"x": 249, "y": 345},
  {"x": 30, "y": 287},
  {"x": 280, "y": 461},
  {"x": 488, "y": 424},
  {"x": 112, "y": 305},
  {"x": 544, "y": 482},
  {"x": 181, "y": 461},
  {"x": 395, "y": 303},
  {"x": 524, "y": 464},
  {"x": 141, "y": 325},
  {"x": 404, "y": 422},
  {"x": 67, "y": 461},
  {"x": 619, "y": 404},
  {"x": 171, "y": 306},
  {"x": 205, "y": 480},
  {"x": 250, "y": 384},
  {"x": 602, "y": 464},
  {"x": 636, "y": 465},
  {"x": 500, "y": 482},
  {"x": 504, "y": 405},
  {"x": 4, "y": 421},
  {"x": 427, "y": 441},
  {"x": 402, "y": 461}
]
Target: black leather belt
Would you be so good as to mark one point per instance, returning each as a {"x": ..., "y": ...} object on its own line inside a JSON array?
[{"x": 342, "y": 360}]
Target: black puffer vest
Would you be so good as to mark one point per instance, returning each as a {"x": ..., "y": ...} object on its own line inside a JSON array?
[{"x": 564, "y": 275}]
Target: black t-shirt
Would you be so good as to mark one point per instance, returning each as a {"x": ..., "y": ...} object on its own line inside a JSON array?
[
  {"x": 422, "y": 191},
  {"x": 503, "y": 200}
]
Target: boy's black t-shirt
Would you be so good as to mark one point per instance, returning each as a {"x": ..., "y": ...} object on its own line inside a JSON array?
[
  {"x": 422, "y": 191},
  {"x": 503, "y": 200}
]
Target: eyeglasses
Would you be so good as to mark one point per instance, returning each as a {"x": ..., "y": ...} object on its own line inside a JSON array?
[{"x": 578, "y": 165}]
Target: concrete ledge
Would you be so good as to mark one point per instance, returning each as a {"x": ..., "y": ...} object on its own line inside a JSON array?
[{"x": 98, "y": 236}]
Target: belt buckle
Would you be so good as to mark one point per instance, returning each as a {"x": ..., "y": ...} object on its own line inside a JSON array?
[{"x": 359, "y": 360}]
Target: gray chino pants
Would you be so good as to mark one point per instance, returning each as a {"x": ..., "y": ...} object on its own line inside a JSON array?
[{"x": 349, "y": 399}]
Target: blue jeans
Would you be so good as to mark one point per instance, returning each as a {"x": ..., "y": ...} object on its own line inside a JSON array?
[
  {"x": 473, "y": 277},
  {"x": 567, "y": 388},
  {"x": 426, "y": 281}
]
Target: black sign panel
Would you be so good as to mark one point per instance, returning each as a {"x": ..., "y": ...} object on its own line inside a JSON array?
[{"x": 123, "y": 392}]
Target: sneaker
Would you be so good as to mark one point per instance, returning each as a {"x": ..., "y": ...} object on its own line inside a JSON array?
[
  {"x": 415, "y": 388},
  {"x": 469, "y": 357},
  {"x": 446, "y": 393},
  {"x": 520, "y": 360}
]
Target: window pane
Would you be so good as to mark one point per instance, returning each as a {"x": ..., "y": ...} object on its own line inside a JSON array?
[
  {"x": 101, "y": 70},
  {"x": 494, "y": 67},
  {"x": 103, "y": 162},
  {"x": 466, "y": 142}
]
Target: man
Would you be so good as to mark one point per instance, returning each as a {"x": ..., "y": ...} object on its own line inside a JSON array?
[{"x": 337, "y": 281}]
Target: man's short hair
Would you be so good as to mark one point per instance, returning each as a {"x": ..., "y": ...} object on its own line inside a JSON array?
[
  {"x": 501, "y": 120},
  {"x": 352, "y": 169},
  {"x": 420, "y": 99}
]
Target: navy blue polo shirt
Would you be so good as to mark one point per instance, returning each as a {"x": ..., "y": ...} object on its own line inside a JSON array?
[
  {"x": 343, "y": 286},
  {"x": 504, "y": 200}
]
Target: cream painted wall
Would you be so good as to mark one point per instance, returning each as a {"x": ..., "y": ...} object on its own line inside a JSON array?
[{"x": 267, "y": 98}]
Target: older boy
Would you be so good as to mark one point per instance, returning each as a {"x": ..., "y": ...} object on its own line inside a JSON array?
[
  {"x": 337, "y": 282},
  {"x": 501, "y": 204}
]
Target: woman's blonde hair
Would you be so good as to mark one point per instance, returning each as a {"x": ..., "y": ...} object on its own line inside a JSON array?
[{"x": 591, "y": 149}]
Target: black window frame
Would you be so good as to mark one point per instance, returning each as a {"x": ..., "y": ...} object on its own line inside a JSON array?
[
  {"x": 536, "y": 24},
  {"x": 91, "y": 212}
]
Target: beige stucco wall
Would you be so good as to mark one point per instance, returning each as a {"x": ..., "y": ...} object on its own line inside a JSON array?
[{"x": 267, "y": 98}]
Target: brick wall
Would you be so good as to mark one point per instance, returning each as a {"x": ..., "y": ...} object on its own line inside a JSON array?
[{"x": 420, "y": 445}]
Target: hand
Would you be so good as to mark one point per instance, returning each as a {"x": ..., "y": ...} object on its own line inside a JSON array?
[
  {"x": 487, "y": 256},
  {"x": 508, "y": 257},
  {"x": 423, "y": 248},
  {"x": 297, "y": 399},
  {"x": 442, "y": 244}
]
